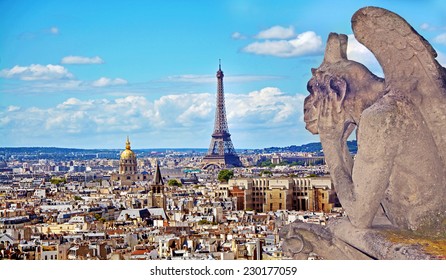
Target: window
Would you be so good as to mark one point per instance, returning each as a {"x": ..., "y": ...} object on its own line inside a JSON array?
[{"x": 280, "y": 205}]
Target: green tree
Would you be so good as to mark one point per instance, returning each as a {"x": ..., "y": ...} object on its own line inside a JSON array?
[
  {"x": 174, "y": 183},
  {"x": 204, "y": 222},
  {"x": 225, "y": 174},
  {"x": 266, "y": 173},
  {"x": 57, "y": 180},
  {"x": 266, "y": 163}
]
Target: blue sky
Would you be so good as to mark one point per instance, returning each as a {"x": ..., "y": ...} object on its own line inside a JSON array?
[{"x": 86, "y": 74}]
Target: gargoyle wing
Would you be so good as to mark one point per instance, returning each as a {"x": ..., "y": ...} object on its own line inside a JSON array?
[{"x": 406, "y": 57}]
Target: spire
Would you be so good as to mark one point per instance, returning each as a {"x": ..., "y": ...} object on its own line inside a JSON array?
[
  {"x": 220, "y": 73},
  {"x": 127, "y": 143},
  {"x": 158, "y": 179}
]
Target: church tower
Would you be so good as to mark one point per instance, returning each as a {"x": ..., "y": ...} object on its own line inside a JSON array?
[{"x": 157, "y": 198}]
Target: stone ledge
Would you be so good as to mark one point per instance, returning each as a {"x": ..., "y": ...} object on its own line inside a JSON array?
[{"x": 339, "y": 240}]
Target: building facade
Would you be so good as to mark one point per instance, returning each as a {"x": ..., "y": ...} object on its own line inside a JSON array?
[{"x": 272, "y": 194}]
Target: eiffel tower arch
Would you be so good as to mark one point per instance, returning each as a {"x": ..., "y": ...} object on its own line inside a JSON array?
[{"x": 221, "y": 151}]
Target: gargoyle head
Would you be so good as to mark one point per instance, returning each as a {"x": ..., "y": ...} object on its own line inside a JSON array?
[
  {"x": 340, "y": 89},
  {"x": 324, "y": 82}
]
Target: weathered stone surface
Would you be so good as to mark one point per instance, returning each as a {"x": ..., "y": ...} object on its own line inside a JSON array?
[
  {"x": 340, "y": 240},
  {"x": 401, "y": 161},
  {"x": 302, "y": 240},
  {"x": 400, "y": 166}
]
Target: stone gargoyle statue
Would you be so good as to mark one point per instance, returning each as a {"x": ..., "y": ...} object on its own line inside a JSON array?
[{"x": 400, "y": 167}]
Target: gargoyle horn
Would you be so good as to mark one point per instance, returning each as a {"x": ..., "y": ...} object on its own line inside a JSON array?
[{"x": 336, "y": 48}]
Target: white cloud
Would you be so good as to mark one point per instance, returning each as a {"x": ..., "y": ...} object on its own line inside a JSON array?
[
  {"x": 104, "y": 82},
  {"x": 189, "y": 78},
  {"x": 31, "y": 35},
  {"x": 425, "y": 26},
  {"x": 307, "y": 43},
  {"x": 51, "y": 86},
  {"x": 202, "y": 79},
  {"x": 170, "y": 116},
  {"x": 183, "y": 110},
  {"x": 12, "y": 108},
  {"x": 277, "y": 32},
  {"x": 428, "y": 27},
  {"x": 51, "y": 82},
  {"x": 268, "y": 107},
  {"x": 82, "y": 60},
  {"x": 440, "y": 39},
  {"x": 357, "y": 52},
  {"x": 37, "y": 72},
  {"x": 441, "y": 58},
  {"x": 54, "y": 30},
  {"x": 238, "y": 36}
]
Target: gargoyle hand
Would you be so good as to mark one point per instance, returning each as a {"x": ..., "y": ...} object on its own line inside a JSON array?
[{"x": 331, "y": 113}]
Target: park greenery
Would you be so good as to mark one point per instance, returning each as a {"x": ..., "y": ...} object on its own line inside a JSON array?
[
  {"x": 225, "y": 174},
  {"x": 58, "y": 181},
  {"x": 174, "y": 183}
]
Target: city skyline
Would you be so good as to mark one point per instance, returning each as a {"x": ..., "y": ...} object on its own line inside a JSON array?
[{"x": 84, "y": 75}]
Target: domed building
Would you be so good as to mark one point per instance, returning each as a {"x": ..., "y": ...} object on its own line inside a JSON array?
[
  {"x": 128, "y": 168},
  {"x": 127, "y": 162}
]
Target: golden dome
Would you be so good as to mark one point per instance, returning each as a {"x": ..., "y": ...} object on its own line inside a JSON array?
[{"x": 127, "y": 153}]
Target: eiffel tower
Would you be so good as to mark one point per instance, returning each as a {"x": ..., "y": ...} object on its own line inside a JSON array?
[{"x": 221, "y": 151}]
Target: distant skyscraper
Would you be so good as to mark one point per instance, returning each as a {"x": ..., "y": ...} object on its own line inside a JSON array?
[{"x": 221, "y": 151}]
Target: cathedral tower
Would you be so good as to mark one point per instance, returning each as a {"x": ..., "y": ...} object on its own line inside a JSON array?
[{"x": 157, "y": 198}]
